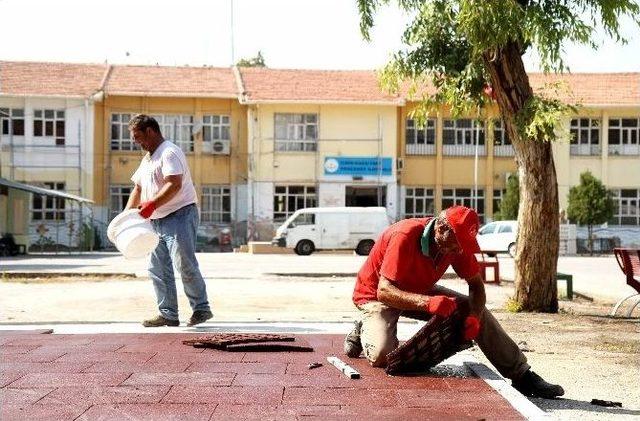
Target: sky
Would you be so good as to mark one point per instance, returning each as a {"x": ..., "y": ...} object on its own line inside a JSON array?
[{"x": 310, "y": 34}]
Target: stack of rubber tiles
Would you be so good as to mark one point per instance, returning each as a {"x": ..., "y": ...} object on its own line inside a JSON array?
[{"x": 437, "y": 340}]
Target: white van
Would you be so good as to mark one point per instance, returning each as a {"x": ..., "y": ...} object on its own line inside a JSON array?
[{"x": 332, "y": 228}]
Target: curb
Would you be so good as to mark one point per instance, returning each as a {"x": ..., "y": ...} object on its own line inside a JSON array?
[{"x": 519, "y": 402}]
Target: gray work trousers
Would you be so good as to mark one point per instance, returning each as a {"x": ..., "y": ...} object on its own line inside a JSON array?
[{"x": 380, "y": 326}]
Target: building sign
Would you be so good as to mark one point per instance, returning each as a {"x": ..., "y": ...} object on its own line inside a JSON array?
[{"x": 358, "y": 166}]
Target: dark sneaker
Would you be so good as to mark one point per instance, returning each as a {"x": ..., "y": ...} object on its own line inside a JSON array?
[
  {"x": 199, "y": 316},
  {"x": 160, "y": 321},
  {"x": 352, "y": 343},
  {"x": 530, "y": 384}
]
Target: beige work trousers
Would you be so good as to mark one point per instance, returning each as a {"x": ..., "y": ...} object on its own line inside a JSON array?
[{"x": 380, "y": 327}]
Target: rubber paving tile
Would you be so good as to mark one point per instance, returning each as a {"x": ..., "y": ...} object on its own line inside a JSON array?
[
  {"x": 153, "y": 376},
  {"x": 50, "y": 367},
  {"x": 25, "y": 395},
  {"x": 105, "y": 395},
  {"x": 148, "y": 412}
]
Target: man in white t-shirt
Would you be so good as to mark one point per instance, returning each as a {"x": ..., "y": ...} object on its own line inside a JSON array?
[{"x": 164, "y": 192}]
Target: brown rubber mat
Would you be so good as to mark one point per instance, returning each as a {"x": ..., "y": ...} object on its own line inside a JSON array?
[
  {"x": 437, "y": 340},
  {"x": 270, "y": 347},
  {"x": 239, "y": 342}
]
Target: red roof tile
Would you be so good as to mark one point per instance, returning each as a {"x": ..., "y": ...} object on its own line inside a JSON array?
[
  {"x": 172, "y": 81},
  {"x": 279, "y": 85},
  {"x": 591, "y": 88},
  {"x": 50, "y": 79},
  {"x": 272, "y": 85},
  {"x": 607, "y": 89}
]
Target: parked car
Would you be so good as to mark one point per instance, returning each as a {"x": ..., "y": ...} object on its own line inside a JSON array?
[
  {"x": 332, "y": 228},
  {"x": 499, "y": 237}
]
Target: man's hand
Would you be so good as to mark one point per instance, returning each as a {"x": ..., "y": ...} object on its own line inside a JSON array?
[
  {"x": 471, "y": 327},
  {"x": 441, "y": 305},
  {"x": 147, "y": 208}
]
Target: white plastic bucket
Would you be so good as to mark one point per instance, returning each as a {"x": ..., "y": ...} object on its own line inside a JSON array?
[{"x": 132, "y": 234}]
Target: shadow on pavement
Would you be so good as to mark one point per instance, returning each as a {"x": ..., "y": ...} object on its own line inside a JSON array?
[{"x": 573, "y": 404}]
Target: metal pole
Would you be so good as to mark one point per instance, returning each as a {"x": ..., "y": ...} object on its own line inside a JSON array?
[
  {"x": 79, "y": 156},
  {"x": 475, "y": 168},
  {"x": 379, "y": 187},
  {"x": 11, "y": 153},
  {"x": 233, "y": 56}
]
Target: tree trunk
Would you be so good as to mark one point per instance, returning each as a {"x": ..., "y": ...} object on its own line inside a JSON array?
[
  {"x": 538, "y": 225},
  {"x": 590, "y": 238}
]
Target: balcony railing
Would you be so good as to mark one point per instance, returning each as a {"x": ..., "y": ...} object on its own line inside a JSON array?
[
  {"x": 296, "y": 145},
  {"x": 586, "y": 150},
  {"x": 420, "y": 149},
  {"x": 463, "y": 150},
  {"x": 633, "y": 149},
  {"x": 503, "y": 150}
]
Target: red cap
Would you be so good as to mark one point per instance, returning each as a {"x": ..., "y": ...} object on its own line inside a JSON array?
[{"x": 465, "y": 224}]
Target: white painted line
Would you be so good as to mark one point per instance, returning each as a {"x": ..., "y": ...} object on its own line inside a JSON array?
[
  {"x": 519, "y": 402},
  {"x": 405, "y": 330}
]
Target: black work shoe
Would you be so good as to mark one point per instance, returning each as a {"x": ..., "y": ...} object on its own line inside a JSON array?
[
  {"x": 352, "y": 343},
  {"x": 160, "y": 321},
  {"x": 199, "y": 316},
  {"x": 530, "y": 384}
]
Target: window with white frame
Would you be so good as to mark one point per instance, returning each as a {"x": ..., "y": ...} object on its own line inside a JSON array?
[
  {"x": 120, "y": 136},
  {"x": 178, "y": 129},
  {"x": 216, "y": 204},
  {"x": 419, "y": 202},
  {"x": 464, "y": 197},
  {"x": 296, "y": 132},
  {"x": 14, "y": 118},
  {"x": 48, "y": 208},
  {"x": 216, "y": 133},
  {"x": 49, "y": 123},
  {"x": 420, "y": 140},
  {"x": 119, "y": 196},
  {"x": 501, "y": 143},
  {"x": 497, "y": 199},
  {"x": 585, "y": 136},
  {"x": 288, "y": 199},
  {"x": 216, "y": 127},
  {"x": 459, "y": 137},
  {"x": 624, "y": 136},
  {"x": 628, "y": 207}
]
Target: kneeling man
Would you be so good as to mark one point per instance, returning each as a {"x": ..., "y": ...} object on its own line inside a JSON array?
[{"x": 399, "y": 277}]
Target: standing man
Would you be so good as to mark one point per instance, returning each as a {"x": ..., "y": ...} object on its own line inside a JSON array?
[
  {"x": 399, "y": 277},
  {"x": 164, "y": 192}
]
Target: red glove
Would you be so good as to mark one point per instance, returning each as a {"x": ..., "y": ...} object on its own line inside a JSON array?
[
  {"x": 471, "y": 327},
  {"x": 441, "y": 305},
  {"x": 147, "y": 208}
]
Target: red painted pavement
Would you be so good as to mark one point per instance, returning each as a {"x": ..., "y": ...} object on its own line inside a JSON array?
[{"x": 153, "y": 376}]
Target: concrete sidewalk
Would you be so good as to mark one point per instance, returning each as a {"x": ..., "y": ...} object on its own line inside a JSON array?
[{"x": 596, "y": 277}]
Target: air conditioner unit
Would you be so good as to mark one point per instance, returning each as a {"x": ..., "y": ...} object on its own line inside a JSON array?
[
  {"x": 399, "y": 164},
  {"x": 220, "y": 147}
]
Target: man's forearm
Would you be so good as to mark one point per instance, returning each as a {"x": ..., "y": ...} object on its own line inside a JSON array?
[
  {"x": 394, "y": 297},
  {"x": 166, "y": 193},
  {"x": 134, "y": 198},
  {"x": 477, "y": 295}
]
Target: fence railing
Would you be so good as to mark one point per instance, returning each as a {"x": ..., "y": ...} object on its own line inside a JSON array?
[
  {"x": 503, "y": 150},
  {"x": 586, "y": 150},
  {"x": 463, "y": 150},
  {"x": 633, "y": 149},
  {"x": 421, "y": 149}
]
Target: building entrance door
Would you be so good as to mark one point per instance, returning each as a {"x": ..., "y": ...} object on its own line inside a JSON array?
[{"x": 366, "y": 196}]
